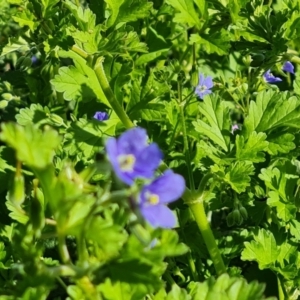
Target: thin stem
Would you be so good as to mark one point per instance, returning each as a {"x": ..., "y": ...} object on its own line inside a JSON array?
[
  {"x": 192, "y": 266},
  {"x": 198, "y": 211},
  {"x": 79, "y": 51},
  {"x": 185, "y": 139},
  {"x": 191, "y": 262},
  {"x": 61, "y": 283},
  {"x": 169, "y": 278},
  {"x": 119, "y": 110},
  {"x": 63, "y": 250},
  {"x": 204, "y": 182}
]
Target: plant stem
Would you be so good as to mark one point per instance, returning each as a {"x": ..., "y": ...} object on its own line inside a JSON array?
[
  {"x": 198, "y": 211},
  {"x": 185, "y": 139},
  {"x": 116, "y": 106},
  {"x": 63, "y": 250}
]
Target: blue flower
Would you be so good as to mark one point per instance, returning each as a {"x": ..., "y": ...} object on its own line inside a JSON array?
[
  {"x": 131, "y": 157},
  {"x": 204, "y": 86},
  {"x": 154, "y": 197},
  {"x": 270, "y": 78},
  {"x": 101, "y": 116},
  {"x": 34, "y": 59},
  {"x": 288, "y": 67}
]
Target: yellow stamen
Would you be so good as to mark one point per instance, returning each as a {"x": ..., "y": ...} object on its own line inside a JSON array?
[
  {"x": 152, "y": 198},
  {"x": 126, "y": 162}
]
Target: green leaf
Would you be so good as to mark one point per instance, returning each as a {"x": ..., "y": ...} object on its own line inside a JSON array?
[
  {"x": 86, "y": 19},
  {"x": 280, "y": 143},
  {"x": 263, "y": 249},
  {"x": 127, "y": 10},
  {"x": 86, "y": 136},
  {"x": 238, "y": 175},
  {"x": 251, "y": 149},
  {"x": 122, "y": 42},
  {"x": 218, "y": 119},
  {"x": 26, "y": 18},
  {"x": 272, "y": 110},
  {"x": 296, "y": 84},
  {"x": 89, "y": 40},
  {"x": 34, "y": 114},
  {"x": 112, "y": 290},
  {"x": 33, "y": 147},
  {"x": 186, "y": 14},
  {"x": 92, "y": 81},
  {"x": 115, "y": 8},
  {"x": 281, "y": 179},
  {"x": 285, "y": 211},
  {"x": 145, "y": 99},
  {"x": 227, "y": 288},
  {"x": 178, "y": 294},
  {"x": 109, "y": 237},
  {"x": 16, "y": 213},
  {"x": 218, "y": 42},
  {"x": 15, "y": 44},
  {"x": 72, "y": 83}
]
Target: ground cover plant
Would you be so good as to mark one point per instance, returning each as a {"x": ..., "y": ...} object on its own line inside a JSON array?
[{"x": 149, "y": 149}]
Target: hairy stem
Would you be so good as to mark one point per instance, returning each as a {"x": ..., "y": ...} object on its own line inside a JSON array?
[
  {"x": 198, "y": 211},
  {"x": 185, "y": 139},
  {"x": 116, "y": 106}
]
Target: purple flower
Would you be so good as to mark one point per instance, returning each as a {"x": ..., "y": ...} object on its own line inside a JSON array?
[
  {"x": 270, "y": 78},
  {"x": 204, "y": 86},
  {"x": 288, "y": 67},
  {"x": 131, "y": 157},
  {"x": 154, "y": 197},
  {"x": 101, "y": 116},
  {"x": 234, "y": 128}
]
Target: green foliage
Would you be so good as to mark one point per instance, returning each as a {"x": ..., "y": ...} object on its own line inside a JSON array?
[{"x": 70, "y": 229}]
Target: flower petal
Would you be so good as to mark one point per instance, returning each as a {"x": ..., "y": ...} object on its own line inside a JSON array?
[
  {"x": 208, "y": 82},
  {"x": 132, "y": 141},
  {"x": 270, "y": 78},
  {"x": 288, "y": 67},
  {"x": 201, "y": 94},
  {"x": 168, "y": 187},
  {"x": 201, "y": 79},
  {"x": 148, "y": 160},
  {"x": 112, "y": 153},
  {"x": 101, "y": 116},
  {"x": 158, "y": 216}
]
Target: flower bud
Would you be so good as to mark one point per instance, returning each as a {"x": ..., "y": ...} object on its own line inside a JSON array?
[
  {"x": 257, "y": 60},
  {"x": 37, "y": 217},
  {"x": 57, "y": 120},
  {"x": 17, "y": 192},
  {"x": 247, "y": 60},
  {"x": 195, "y": 79},
  {"x": 3, "y": 104},
  {"x": 230, "y": 220},
  {"x": 7, "y": 96},
  {"x": 20, "y": 61},
  {"x": 243, "y": 212},
  {"x": 238, "y": 220},
  {"x": 23, "y": 63}
]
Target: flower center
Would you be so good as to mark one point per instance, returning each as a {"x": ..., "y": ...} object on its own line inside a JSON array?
[
  {"x": 152, "y": 198},
  {"x": 126, "y": 162},
  {"x": 202, "y": 88}
]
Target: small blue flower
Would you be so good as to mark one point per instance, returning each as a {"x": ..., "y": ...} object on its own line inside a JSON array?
[
  {"x": 131, "y": 157},
  {"x": 154, "y": 197},
  {"x": 101, "y": 116},
  {"x": 288, "y": 67},
  {"x": 34, "y": 59},
  {"x": 270, "y": 78},
  {"x": 204, "y": 86}
]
